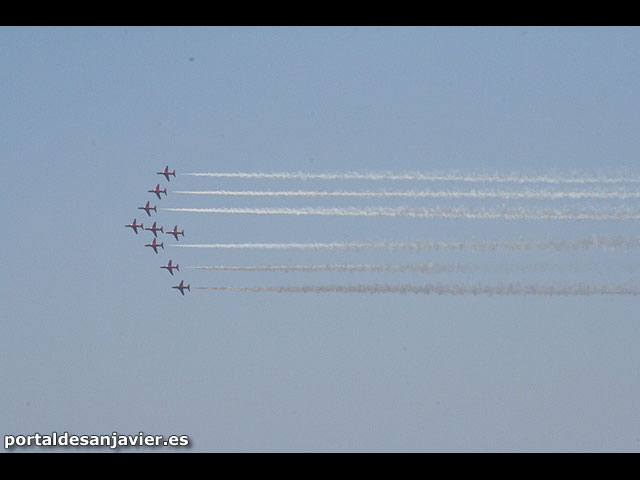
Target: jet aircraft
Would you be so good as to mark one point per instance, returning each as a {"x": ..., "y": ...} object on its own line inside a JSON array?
[
  {"x": 157, "y": 191},
  {"x": 155, "y": 245},
  {"x": 166, "y": 173},
  {"x": 170, "y": 267},
  {"x": 146, "y": 208},
  {"x": 155, "y": 229},
  {"x": 175, "y": 232},
  {"x": 182, "y": 288},
  {"x": 135, "y": 226}
]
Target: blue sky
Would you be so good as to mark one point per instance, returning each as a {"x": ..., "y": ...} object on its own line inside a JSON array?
[{"x": 93, "y": 339}]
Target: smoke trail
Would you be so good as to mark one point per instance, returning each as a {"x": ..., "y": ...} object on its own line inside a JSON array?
[
  {"x": 504, "y": 195},
  {"x": 512, "y": 289},
  {"x": 617, "y": 214},
  {"x": 431, "y": 177},
  {"x": 425, "y": 268},
  {"x": 594, "y": 242}
]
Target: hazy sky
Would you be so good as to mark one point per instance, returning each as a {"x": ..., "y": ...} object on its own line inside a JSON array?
[{"x": 93, "y": 339}]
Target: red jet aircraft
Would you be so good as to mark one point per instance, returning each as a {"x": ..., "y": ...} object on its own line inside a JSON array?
[
  {"x": 157, "y": 191},
  {"x": 175, "y": 232},
  {"x": 154, "y": 229},
  {"x": 181, "y": 287},
  {"x": 170, "y": 267},
  {"x": 166, "y": 173},
  {"x": 146, "y": 208},
  {"x": 155, "y": 245},
  {"x": 135, "y": 226}
]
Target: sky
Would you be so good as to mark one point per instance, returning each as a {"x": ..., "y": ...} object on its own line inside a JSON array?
[{"x": 94, "y": 340}]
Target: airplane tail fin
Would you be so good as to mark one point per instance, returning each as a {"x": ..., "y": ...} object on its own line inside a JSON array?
[
  {"x": 177, "y": 267},
  {"x": 162, "y": 245},
  {"x": 161, "y": 229},
  {"x": 188, "y": 287}
]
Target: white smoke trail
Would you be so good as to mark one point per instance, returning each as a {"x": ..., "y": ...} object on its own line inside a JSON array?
[
  {"x": 488, "y": 194},
  {"x": 594, "y": 242},
  {"x": 427, "y": 268},
  {"x": 617, "y": 214},
  {"x": 431, "y": 177},
  {"x": 512, "y": 289}
]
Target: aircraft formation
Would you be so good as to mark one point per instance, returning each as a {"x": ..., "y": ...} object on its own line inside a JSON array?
[
  {"x": 170, "y": 267},
  {"x": 545, "y": 188}
]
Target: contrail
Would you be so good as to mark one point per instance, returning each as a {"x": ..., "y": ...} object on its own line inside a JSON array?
[
  {"x": 431, "y": 177},
  {"x": 617, "y": 214},
  {"x": 512, "y": 289},
  {"x": 488, "y": 194},
  {"x": 594, "y": 242}
]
